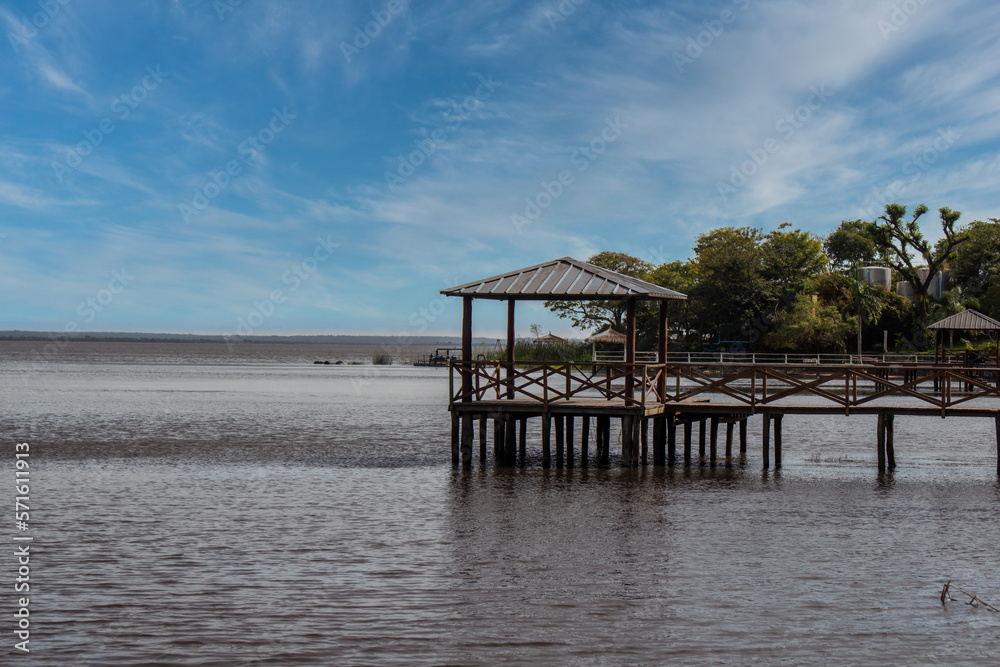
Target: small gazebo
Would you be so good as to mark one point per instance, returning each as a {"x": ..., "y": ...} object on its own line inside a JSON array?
[
  {"x": 609, "y": 336},
  {"x": 967, "y": 320},
  {"x": 550, "y": 338}
]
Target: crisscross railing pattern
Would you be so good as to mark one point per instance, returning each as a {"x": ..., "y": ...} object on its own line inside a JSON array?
[{"x": 845, "y": 386}]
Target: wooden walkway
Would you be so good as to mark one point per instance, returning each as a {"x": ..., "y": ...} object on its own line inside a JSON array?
[{"x": 669, "y": 396}]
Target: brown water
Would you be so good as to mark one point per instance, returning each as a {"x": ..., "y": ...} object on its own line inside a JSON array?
[{"x": 191, "y": 508}]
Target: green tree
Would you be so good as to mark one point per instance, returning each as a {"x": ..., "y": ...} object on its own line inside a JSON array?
[
  {"x": 905, "y": 244},
  {"x": 851, "y": 245},
  {"x": 808, "y": 327},
  {"x": 682, "y": 323},
  {"x": 731, "y": 287},
  {"x": 793, "y": 259},
  {"x": 977, "y": 262},
  {"x": 596, "y": 315},
  {"x": 867, "y": 302}
]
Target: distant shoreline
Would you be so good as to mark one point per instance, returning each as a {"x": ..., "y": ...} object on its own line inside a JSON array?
[{"x": 135, "y": 337}]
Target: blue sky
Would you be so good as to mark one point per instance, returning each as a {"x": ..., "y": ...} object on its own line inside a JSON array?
[{"x": 180, "y": 166}]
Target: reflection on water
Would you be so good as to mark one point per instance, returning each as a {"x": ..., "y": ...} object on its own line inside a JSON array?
[{"x": 275, "y": 515}]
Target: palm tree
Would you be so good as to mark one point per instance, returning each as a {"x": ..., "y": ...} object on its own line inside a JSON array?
[{"x": 866, "y": 299}]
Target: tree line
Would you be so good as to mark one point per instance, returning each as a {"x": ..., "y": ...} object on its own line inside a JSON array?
[{"x": 793, "y": 291}]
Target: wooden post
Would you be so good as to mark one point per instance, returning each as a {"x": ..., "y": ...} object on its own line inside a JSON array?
[
  {"x": 729, "y": 439},
  {"x": 499, "y": 433},
  {"x": 880, "y": 442},
  {"x": 482, "y": 437},
  {"x": 627, "y": 442},
  {"x": 661, "y": 351},
  {"x": 510, "y": 348},
  {"x": 629, "y": 351},
  {"x": 777, "y": 441},
  {"x": 510, "y": 441},
  {"x": 890, "y": 432},
  {"x": 559, "y": 441},
  {"x": 743, "y": 435},
  {"x": 585, "y": 440},
  {"x": 644, "y": 440},
  {"x": 466, "y": 348},
  {"x": 569, "y": 440},
  {"x": 467, "y": 439},
  {"x": 767, "y": 441},
  {"x": 671, "y": 439},
  {"x": 604, "y": 430},
  {"x": 687, "y": 442},
  {"x": 701, "y": 437},
  {"x": 546, "y": 435},
  {"x": 659, "y": 440},
  {"x": 455, "y": 455},
  {"x": 522, "y": 444},
  {"x": 713, "y": 440}
]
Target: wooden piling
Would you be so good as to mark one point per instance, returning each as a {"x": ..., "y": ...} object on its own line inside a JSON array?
[
  {"x": 672, "y": 440},
  {"x": 890, "y": 432},
  {"x": 880, "y": 442},
  {"x": 569, "y": 440},
  {"x": 729, "y": 439},
  {"x": 498, "y": 439},
  {"x": 701, "y": 437},
  {"x": 522, "y": 445},
  {"x": 644, "y": 441},
  {"x": 546, "y": 444},
  {"x": 510, "y": 441},
  {"x": 743, "y": 435},
  {"x": 687, "y": 442},
  {"x": 777, "y": 441},
  {"x": 628, "y": 441},
  {"x": 713, "y": 441},
  {"x": 455, "y": 454},
  {"x": 584, "y": 440},
  {"x": 659, "y": 440},
  {"x": 767, "y": 441},
  {"x": 604, "y": 429},
  {"x": 483, "y": 420},
  {"x": 466, "y": 445},
  {"x": 559, "y": 440}
]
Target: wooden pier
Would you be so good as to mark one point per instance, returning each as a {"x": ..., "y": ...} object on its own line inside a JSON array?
[
  {"x": 677, "y": 396},
  {"x": 569, "y": 397}
]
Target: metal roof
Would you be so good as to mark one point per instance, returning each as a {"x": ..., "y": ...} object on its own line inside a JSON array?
[
  {"x": 609, "y": 335},
  {"x": 967, "y": 320},
  {"x": 565, "y": 278}
]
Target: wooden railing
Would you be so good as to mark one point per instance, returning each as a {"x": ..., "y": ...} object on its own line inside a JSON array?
[{"x": 845, "y": 386}]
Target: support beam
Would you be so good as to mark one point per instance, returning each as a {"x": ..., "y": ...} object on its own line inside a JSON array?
[
  {"x": 777, "y": 441},
  {"x": 559, "y": 440},
  {"x": 729, "y": 439},
  {"x": 467, "y": 433},
  {"x": 546, "y": 444},
  {"x": 569, "y": 440},
  {"x": 499, "y": 433},
  {"x": 701, "y": 437},
  {"x": 466, "y": 348},
  {"x": 713, "y": 440},
  {"x": 629, "y": 351},
  {"x": 687, "y": 442},
  {"x": 604, "y": 429},
  {"x": 628, "y": 441},
  {"x": 767, "y": 442},
  {"x": 510, "y": 348},
  {"x": 880, "y": 442},
  {"x": 510, "y": 441},
  {"x": 672, "y": 439},
  {"x": 455, "y": 454},
  {"x": 743, "y": 435},
  {"x": 585, "y": 441},
  {"x": 522, "y": 445},
  {"x": 996, "y": 425},
  {"x": 483, "y": 420},
  {"x": 890, "y": 433},
  {"x": 644, "y": 441},
  {"x": 659, "y": 440}
]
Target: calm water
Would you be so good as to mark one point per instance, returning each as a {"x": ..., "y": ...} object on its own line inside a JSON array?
[{"x": 192, "y": 506}]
